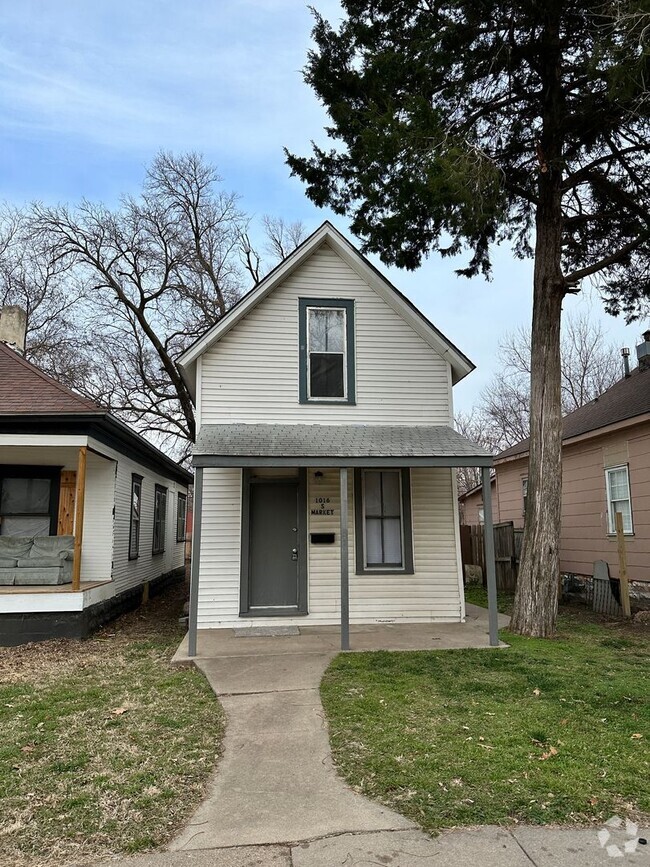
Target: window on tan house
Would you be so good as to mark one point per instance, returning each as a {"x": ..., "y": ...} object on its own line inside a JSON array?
[
  {"x": 617, "y": 480},
  {"x": 524, "y": 493}
]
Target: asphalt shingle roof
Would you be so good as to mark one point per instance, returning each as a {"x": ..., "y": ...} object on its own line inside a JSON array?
[
  {"x": 318, "y": 441},
  {"x": 625, "y": 399},
  {"x": 26, "y": 390}
]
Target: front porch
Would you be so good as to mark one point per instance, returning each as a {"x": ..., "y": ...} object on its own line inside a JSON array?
[
  {"x": 51, "y": 489},
  {"x": 372, "y": 541},
  {"x": 221, "y": 643}
]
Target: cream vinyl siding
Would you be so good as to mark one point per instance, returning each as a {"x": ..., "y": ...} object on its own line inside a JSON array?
[
  {"x": 430, "y": 594},
  {"x": 220, "y": 548},
  {"x": 97, "y": 546},
  {"x": 252, "y": 373},
  {"x": 130, "y": 573}
]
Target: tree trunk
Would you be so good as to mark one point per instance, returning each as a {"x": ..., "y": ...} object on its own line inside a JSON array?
[{"x": 535, "y": 608}]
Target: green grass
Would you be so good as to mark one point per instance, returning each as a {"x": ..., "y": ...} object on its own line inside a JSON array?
[
  {"x": 105, "y": 747},
  {"x": 477, "y": 595},
  {"x": 541, "y": 732}
]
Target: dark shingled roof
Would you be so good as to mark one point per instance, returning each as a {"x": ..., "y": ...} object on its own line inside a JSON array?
[
  {"x": 25, "y": 390},
  {"x": 321, "y": 442},
  {"x": 627, "y": 398}
]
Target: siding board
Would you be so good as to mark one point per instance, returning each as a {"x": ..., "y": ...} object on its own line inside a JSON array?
[{"x": 251, "y": 374}]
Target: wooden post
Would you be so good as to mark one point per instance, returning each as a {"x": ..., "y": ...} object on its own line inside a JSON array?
[
  {"x": 345, "y": 568},
  {"x": 79, "y": 518},
  {"x": 65, "y": 523},
  {"x": 622, "y": 566}
]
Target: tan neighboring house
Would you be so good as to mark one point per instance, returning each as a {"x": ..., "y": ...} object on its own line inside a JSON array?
[
  {"x": 470, "y": 505},
  {"x": 606, "y": 468}
]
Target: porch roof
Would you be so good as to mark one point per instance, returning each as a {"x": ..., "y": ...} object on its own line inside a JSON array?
[{"x": 320, "y": 445}]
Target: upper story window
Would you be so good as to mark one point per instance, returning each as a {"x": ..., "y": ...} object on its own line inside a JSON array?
[
  {"x": 326, "y": 351},
  {"x": 618, "y": 498}
]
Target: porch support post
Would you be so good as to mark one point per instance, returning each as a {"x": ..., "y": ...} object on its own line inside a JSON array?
[
  {"x": 80, "y": 495},
  {"x": 345, "y": 574},
  {"x": 490, "y": 569},
  {"x": 194, "y": 567}
]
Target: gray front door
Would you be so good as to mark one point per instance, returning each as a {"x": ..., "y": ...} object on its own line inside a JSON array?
[{"x": 273, "y": 546}]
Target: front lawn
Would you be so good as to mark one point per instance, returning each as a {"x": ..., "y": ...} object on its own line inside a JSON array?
[
  {"x": 541, "y": 732},
  {"x": 105, "y": 747}
]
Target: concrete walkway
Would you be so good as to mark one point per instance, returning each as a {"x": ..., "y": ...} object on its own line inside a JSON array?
[
  {"x": 276, "y": 782},
  {"x": 481, "y": 847}
]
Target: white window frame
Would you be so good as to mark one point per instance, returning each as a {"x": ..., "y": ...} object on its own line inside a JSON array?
[
  {"x": 381, "y": 567},
  {"x": 611, "y": 515},
  {"x": 344, "y": 397},
  {"x": 524, "y": 494}
]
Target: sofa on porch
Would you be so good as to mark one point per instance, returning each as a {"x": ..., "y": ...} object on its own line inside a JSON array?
[{"x": 36, "y": 561}]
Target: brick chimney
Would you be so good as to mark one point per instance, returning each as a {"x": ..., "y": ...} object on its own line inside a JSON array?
[
  {"x": 13, "y": 327},
  {"x": 643, "y": 352}
]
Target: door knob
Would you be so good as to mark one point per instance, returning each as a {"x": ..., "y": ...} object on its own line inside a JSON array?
[{"x": 294, "y": 554}]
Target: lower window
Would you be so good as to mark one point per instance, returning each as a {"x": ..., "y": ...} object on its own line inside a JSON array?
[
  {"x": 383, "y": 521},
  {"x": 159, "y": 519},
  {"x": 618, "y": 498},
  {"x": 29, "y": 499}
]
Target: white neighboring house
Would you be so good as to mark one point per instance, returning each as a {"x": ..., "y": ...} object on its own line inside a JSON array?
[
  {"x": 69, "y": 469},
  {"x": 325, "y": 490}
]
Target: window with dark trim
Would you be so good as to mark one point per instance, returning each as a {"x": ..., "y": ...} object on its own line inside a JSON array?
[
  {"x": 384, "y": 535},
  {"x": 181, "y": 517},
  {"x": 29, "y": 500},
  {"x": 159, "y": 519},
  {"x": 136, "y": 509},
  {"x": 326, "y": 336}
]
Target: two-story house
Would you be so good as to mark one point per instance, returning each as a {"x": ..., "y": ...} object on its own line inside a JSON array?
[{"x": 325, "y": 489}]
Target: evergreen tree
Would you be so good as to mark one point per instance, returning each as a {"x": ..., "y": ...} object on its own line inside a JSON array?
[{"x": 460, "y": 124}]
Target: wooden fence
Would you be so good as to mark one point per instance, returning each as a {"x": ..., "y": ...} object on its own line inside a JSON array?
[{"x": 507, "y": 551}]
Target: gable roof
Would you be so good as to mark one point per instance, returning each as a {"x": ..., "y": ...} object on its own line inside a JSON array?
[
  {"x": 327, "y": 233},
  {"x": 24, "y": 389},
  {"x": 33, "y": 402},
  {"x": 626, "y": 399}
]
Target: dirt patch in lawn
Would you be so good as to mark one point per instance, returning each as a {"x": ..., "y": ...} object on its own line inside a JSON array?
[{"x": 106, "y": 748}]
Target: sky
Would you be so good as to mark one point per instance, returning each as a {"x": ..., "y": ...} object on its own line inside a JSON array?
[{"x": 90, "y": 91}]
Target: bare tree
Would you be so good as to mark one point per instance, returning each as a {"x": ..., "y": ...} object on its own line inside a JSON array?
[
  {"x": 281, "y": 239},
  {"x": 590, "y": 365},
  {"x": 154, "y": 274},
  {"x": 472, "y": 426},
  {"x": 32, "y": 278}
]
